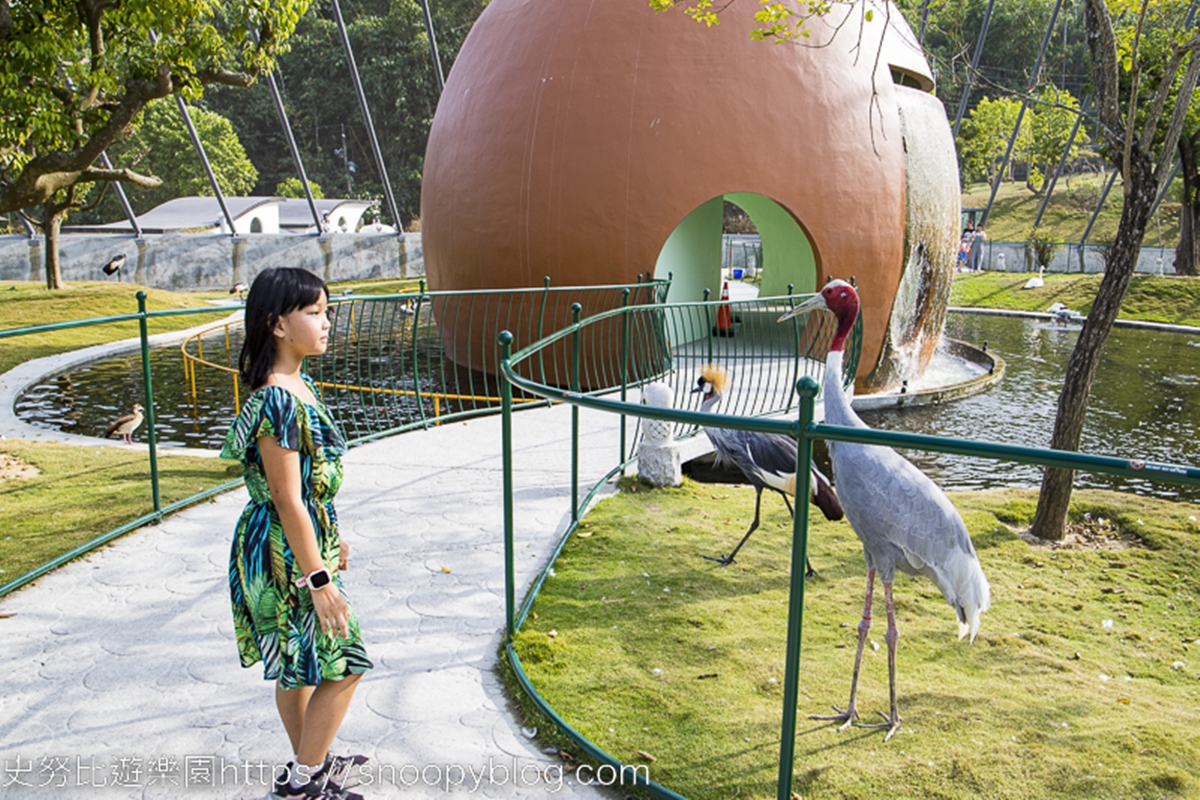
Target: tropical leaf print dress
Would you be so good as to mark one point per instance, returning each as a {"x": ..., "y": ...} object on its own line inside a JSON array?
[{"x": 273, "y": 618}]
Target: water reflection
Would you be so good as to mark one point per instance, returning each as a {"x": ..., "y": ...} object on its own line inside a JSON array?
[{"x": 1144, "y": 404}]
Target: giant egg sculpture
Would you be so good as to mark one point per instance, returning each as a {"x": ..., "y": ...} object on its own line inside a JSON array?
[{"x": 592, "y": 141}]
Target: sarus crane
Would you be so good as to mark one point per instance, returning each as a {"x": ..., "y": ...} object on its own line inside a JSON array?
[
  {"x": 768, "y": 461},
  {"x": 903, "y": 519}
]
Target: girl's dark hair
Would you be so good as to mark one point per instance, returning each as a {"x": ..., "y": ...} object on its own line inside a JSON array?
[{"x": 275, "y": 292}]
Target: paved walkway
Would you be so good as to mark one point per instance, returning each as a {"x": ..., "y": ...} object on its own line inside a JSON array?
[{"x": 129, "y": 653}]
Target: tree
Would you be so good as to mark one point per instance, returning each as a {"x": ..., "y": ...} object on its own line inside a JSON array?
[
  {"x": 77, "y": 76},
  {"x": 1053, "y": 117},
  {"x": 984, "y": 138},
  {"x": 1143, "y": 106},
  {"x": 292, "y": 187},
  {"x": 161, "y": 146}
]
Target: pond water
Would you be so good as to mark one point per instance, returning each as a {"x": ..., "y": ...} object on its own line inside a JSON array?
[{"x": 1145, "y": 404}]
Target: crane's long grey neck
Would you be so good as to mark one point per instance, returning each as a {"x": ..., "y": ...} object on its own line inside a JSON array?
[{"x": 837, "y": 403}]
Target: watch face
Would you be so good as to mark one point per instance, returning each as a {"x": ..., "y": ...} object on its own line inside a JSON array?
[{"x": 318, "y": 579}]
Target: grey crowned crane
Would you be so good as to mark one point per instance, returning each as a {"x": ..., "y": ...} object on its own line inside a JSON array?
[
  {"x": 126, "y": 425},
  {"x": 767, "y": 460},
  {"x": 903, "y": 519},
  {"x": 114, "y": 264}
]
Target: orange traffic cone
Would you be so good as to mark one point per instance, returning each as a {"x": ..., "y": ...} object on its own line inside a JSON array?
[{"x": 725, "y": 326}]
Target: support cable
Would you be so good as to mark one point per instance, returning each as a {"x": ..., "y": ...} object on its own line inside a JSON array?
[
  {"x": 1061, "y": 161},
  {"x": 966, "y": 95},
  {"x": 433, "y": 49},
  {"x": 1033, "y": 82},
  {"x": 291, "y": 140},
  {"x": 366, "y": 112}
]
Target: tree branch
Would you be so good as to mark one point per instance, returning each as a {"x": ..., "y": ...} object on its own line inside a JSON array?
[
  {"x": 122, "y": 176},
  {"x": 226, "y": 77},
  {"x": 6, "y": 22}
]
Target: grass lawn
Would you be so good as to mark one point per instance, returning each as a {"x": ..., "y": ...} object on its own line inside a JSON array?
[
  {"x": 643, "y": 645},
  {"x": 81, "y": 492},
  {"x": 1152, "y": 298},
  {"x": 1071, "y": 205},
  {"x": 27, "y": 303}
]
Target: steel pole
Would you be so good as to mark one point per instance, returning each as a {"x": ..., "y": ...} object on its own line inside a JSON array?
[
  {"x": 506, "y": 408},
  {"x": 120, "y": 190},
  {"x": 147, "y": 384},
  {"x": 807, "y": 389},
  {"x": 576, "y": 310}
]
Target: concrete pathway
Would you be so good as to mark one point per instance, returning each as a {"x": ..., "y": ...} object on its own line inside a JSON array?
[{"x": 120, "y": 673}]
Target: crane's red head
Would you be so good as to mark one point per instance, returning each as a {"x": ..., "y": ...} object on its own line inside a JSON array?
[{"x": 839, "y": 297}]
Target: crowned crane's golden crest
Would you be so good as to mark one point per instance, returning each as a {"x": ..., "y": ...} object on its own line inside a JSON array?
[{"x": 717, "y": 375}]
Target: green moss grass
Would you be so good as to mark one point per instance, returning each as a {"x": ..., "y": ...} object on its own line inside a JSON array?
[
  {"x": 1047, "y": 703},
  {"x": 83, "y": 492},
  {"x": 1152, "y": 298}
]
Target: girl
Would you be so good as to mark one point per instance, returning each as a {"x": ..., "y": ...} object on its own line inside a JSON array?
[{"x": 288, "y": 608}]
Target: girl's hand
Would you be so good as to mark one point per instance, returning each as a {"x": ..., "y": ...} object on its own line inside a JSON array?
[
  {"x": 332, "y": 610},
  {"x": 344, "y": 558}
]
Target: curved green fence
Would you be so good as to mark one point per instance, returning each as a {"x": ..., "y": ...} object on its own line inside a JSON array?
[{"x": 685, "y": 355}]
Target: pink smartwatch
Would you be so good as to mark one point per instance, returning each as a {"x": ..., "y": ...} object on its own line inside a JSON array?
[{"x": 318, "y": 579}]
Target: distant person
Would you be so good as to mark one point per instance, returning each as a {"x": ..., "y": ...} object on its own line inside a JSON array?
[
  {"x": 968, "y": 231},
  {"x": 976, "y": 254},
  {"x": 289, "y": 611},
  {"x": 964, "y": 253}
]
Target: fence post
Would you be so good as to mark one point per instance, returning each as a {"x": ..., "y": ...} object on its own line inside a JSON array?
[
  {"x": 416, "y": 364},
  {"x": 708, "y": 336},
  {"x": 807, "y": 389},
  {"x": 151, "y": 436},
  {"x": 541, "y": 326},
  {"x": 506, "y": 405},
  {"x": 624, "y": 367},
  {"x": 576, "y": 309}
]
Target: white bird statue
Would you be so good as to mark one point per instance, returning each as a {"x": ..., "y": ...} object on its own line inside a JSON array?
[
  {"x": 903, "y": 519},
  {"x": 1038, "y": 282},
  {"x": 126, "y": 425},
  {"x": 768, "y": 460}
]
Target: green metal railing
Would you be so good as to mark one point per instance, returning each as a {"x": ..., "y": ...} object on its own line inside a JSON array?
[
  {"x": 803, "y": 428},
  {"x": 387, "y": 370}
]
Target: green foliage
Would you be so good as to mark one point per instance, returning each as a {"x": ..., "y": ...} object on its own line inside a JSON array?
[
  {"x": 1052, "y": 118},
  {"x": 1048, "y": 702},
  {"x": 984, "y": 138},
  {"x": 292, "y": 187}
]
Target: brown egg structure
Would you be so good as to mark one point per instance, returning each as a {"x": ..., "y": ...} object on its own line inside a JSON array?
[{"x": 593, "y": 140}]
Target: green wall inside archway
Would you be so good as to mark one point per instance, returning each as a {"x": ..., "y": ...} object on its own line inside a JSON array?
[
  {"x": 787, "y": 253},
  {"x": 692, "y": 253}
]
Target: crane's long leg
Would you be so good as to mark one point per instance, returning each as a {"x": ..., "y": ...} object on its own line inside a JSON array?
[
  {"x": 726, "y": 560},
  {"x": 892, "y": 723},
  {"x": 809, "y": 572},
  {"x": 848, "y": 716}
]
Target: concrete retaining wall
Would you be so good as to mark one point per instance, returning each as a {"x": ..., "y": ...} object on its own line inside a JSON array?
[
  {"x": 1011, "y": 257},
  {"x": 216, "y": 261}
]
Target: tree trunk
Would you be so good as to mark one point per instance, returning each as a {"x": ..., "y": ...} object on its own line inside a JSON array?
[
  {"x": 52, "y": 217},
  {"x": 1187, "y": 254},
  {"x": 1051, "y": 518}
]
